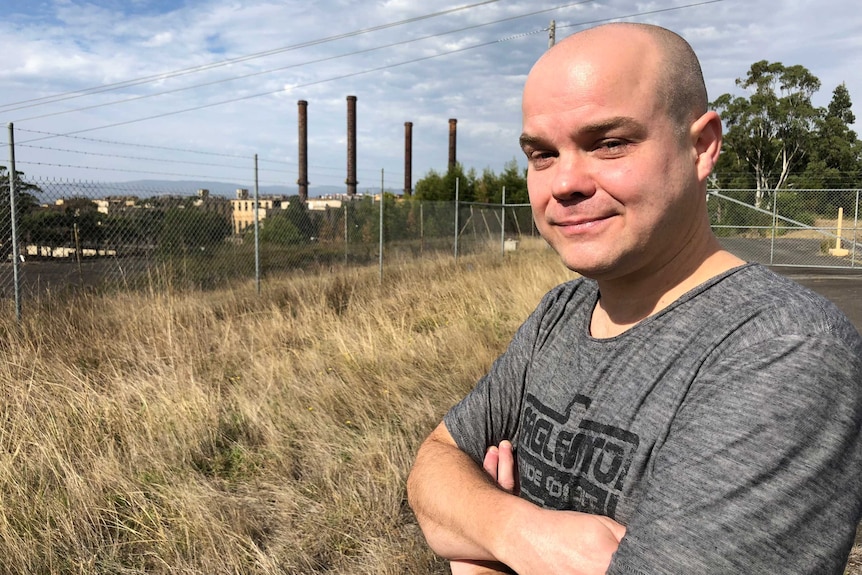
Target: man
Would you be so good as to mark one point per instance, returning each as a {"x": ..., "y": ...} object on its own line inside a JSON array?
[{"x": 679, "y": 411}]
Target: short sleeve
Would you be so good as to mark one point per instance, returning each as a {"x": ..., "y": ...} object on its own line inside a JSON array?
[{"x": 490, "y": 412}]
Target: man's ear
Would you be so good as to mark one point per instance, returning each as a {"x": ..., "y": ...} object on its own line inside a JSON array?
[{"x": 706, "y": 137}]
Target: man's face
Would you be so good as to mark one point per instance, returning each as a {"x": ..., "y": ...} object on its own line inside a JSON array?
[{"x": 611, "y": 179}]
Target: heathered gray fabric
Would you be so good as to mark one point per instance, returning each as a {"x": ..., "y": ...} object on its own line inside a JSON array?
[{"x": 724, "y": 431}]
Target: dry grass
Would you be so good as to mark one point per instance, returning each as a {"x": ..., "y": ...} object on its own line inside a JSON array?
[
  {"x": 222, "y": 432},
  {"x": 225, "y": 432}
]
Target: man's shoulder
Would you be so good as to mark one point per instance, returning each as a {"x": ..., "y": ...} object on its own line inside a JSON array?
[{"x": 756, "y": 296}]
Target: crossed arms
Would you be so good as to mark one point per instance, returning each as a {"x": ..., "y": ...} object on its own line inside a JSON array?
[{"x": 471, "y": 516}]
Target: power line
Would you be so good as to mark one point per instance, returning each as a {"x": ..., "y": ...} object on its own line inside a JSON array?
[
  {"x": 368, "y": 71},
  {"x": 307, "y": 63},
  {"x": 247, "y": 57},
  {"x": 647, "y": 13},
  {"x": 119, "y": 143},
  {"x": 271, "y": 92},
  {"x": 122, "y": 157},
  {"x": 139, "y": 145},
  {"x": 73, "y": 134}
]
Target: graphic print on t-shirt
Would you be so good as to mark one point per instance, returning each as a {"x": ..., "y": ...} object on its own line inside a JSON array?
[{"x": 569, "y": 462}]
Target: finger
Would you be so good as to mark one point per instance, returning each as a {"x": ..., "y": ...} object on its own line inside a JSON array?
[
  {"x": 506, "y": 467},
  {"x": 615, "y": 528},
  {"x": 491, "y": 461}
]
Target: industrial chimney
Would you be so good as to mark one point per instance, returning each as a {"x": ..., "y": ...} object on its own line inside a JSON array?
[
  {"x": 453, "y": 137},
  {"x": 302, "y": 181},
  {"x": 408, "y": 159},
  {"x": 351, "y": 146}
]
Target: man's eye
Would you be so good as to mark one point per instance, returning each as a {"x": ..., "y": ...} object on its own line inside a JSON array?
[
  {"x": 540, "y": 159},
  {"x": 541, "y": 155},
  {"x": 612, "y": 147}
]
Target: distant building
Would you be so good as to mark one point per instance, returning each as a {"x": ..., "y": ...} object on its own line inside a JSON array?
[
  {"x": 322, "y": 204},
  {"x": 114, "y": 204},
  {"x": 243, "y": 209}
]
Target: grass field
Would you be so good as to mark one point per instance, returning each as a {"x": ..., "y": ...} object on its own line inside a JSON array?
[{"x": 223, "y": 432}]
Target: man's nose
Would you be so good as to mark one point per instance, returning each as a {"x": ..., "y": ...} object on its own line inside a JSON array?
[{"x": 572, "y": 178}]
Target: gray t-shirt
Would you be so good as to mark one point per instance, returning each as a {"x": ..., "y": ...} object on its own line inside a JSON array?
[{"x": 723, "y": 432}]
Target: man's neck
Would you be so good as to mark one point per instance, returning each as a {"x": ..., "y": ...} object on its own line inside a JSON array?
[{"x": 624, "y": 302}]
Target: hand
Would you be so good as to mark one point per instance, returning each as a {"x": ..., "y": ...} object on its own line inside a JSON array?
[
  {"x": 590, "y": 552},
  {"x": 564, "y": 543},
  {"x": 499, "y": 463}
]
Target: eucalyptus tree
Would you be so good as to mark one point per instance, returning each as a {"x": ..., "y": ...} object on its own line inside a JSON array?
[{"x": 769, "y": 133}]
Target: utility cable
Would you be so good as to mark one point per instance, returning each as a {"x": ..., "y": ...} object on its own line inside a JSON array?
[
  {"x": 647, "y": 13},
  {"x": 307, "y": 63},
  {"x": 165, "y": 75}
]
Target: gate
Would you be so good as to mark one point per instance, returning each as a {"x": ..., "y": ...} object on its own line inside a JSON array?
[{"x": 801, "y": 228}]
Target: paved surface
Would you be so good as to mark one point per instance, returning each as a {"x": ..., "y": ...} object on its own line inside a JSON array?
[{"x": 843, "y": 287}]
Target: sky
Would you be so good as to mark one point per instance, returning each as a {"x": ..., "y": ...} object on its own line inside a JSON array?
[{"x": 113, "y": 90}]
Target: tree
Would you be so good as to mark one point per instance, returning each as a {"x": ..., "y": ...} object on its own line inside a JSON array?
[
  {"x": 441, "y": 188},
  {"x": 25, "y": 203},
  {"x": 768, "y": 133},
  {"x": 835, "y": 160},
  {"x": 514, "y": 179},
  {"x": 297, "y": 214},
  {"x": 278, "y": 229},
  {"x": 185, "y": 229}
]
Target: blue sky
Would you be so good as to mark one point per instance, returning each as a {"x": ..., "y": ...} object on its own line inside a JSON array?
[{"x": 402, "y": 65}]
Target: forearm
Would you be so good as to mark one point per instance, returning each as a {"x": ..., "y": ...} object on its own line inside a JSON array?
[
  {"x": 466, "y": 516},
  {"x": 461, "y": 510}
]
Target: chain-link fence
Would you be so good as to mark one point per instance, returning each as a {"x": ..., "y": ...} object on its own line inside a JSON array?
[
  {"x": 79, "y": 234},
  {"x": 808, "y": 228}
]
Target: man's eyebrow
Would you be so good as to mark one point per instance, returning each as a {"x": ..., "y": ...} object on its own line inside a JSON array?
[
  {"x": 613, "y": 123},
  {"x": 601, "y": 126},
  {"x": 526, "y": 140}
]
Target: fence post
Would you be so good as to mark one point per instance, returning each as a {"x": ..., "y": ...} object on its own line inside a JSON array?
[
  {"x": 346, "y": 243},
  {"x": 381, "y": 225},
  {"x": 457, "y": 180},
  {"x": 855, "y": 231},
  {"x": 13, "y": 213},
  {"x": 503, "y": 224},
  {"x": 256, "y": 230},
  {"x": 774, "y": 224}
]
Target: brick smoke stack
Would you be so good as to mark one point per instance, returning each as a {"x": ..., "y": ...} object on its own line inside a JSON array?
[
  {"x": 408, "y": 159},
  {"x": 302, "y": 181},
  {"x": 351, "y": 146},
  {"x": 453, "y": 138}
]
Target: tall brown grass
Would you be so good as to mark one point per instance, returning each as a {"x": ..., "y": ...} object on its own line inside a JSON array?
[{"x": 224, "y": 432}]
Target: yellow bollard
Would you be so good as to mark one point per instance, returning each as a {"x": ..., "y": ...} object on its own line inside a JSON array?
[{"x": 838, "y": 250}]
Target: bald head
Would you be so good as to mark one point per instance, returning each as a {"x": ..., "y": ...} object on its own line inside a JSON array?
[{"x": 656, "y": 53}]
